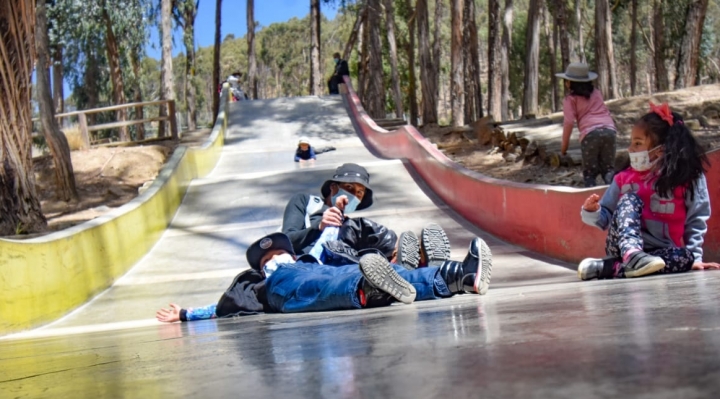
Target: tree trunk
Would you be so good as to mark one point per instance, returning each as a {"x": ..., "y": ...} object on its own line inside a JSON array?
[
  {"x": 216, "y": 60},
  {"x": 578, "y": 24},
  {"x": 252, "y": 63},
  {"x": 633, "y": 47},
  {"x": 456, "y": 64},
  {"x": 19, "y": 205},
  {"x": 57, "y": 80},
  {"x": 495, "y": 69},
  {"x": 532, "y": 51},
  {"x": 394, "y": 75},
  {"x": 550, "y": 36},
  {"x": 375, "y": 95},
  {"x": 167, "y": 91},
  {"x": 427, "y": 82},
  {"x": 505, "y": 59},
  {"x": 604, "y": 58},
  {"x": 661, "y": 74},
  {"x": 55, "y": 139},
  {"x": 362, "y": 56},
  {"x": 689, "y": 51},
  {"x": 412, "y": 86},
  {"x": 189, "y": 14},
  {"x": 113, "y": 55},
  {"x": 316, "y": 76},
  {"x": 558, "y": 9},
  {"x": 471, "y": 62},
  {"x": 357, "y": 27},
  {"x": 90, "y": 83},
  {"x": 437, "y": 48},
  {"x": 139, "y": 112}
]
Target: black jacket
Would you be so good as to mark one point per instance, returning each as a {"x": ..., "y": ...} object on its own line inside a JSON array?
[
  {"x": 356, "y": 233},
  {"x": 341, "y": 69},
  {"x": 245, "y": 296}
]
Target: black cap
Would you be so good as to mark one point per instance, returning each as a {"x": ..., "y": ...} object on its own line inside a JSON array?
[
  {"x": 259, "y": 248},
  {"x": 351, "y": 173}
]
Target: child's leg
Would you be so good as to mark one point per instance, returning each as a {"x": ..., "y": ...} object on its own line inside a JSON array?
[
  {"x": 590, "y": 148},
  {"x": 677, "y": 260},
  {"x": 625, "y": 236},
  {"x": 608, "y": 148}
]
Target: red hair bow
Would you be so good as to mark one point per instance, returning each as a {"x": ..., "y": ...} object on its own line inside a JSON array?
[{"x": 663, "y": 111}]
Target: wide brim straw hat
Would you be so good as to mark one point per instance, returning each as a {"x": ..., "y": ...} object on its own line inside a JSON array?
[{"x": 578, "y": 72}]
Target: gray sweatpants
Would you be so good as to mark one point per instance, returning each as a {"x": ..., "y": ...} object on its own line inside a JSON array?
[{"x": 598, "y": 156}]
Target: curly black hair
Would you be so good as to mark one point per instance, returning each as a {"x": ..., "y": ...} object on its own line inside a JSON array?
[
  {"x": 582, "y": 89},
  {"x": 683, "y": 159}
]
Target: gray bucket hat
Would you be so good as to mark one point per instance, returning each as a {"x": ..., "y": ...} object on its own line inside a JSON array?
[{"x": 578, "y": 72}]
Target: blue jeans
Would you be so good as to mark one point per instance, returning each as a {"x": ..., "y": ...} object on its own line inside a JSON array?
[{"x": 311, "y": 287}]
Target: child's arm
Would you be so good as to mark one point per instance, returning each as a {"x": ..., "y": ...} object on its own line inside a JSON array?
[
  {"x": 569, "y": 117},
  {"x": 312, "y": 153},
  {"x": 698, "y": 213},
  {"x": 608, "y": 203},
  {"x": 176, "y": 313}
]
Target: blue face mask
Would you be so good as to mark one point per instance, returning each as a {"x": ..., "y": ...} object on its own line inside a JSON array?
[
  {"x": 352, "y": 204},
  {"x": 337, "y": 60}
]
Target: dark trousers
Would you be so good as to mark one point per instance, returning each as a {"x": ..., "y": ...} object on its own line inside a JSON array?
[
  {"x": 333, "y": 83},
  {"x": 598, "y": 156},
  {"x": 625, "y": 236}
]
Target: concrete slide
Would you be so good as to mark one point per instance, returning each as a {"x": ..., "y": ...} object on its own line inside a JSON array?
[{"x": 539, "y": 332}]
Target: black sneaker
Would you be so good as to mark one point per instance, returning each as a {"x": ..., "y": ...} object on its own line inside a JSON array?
[
  {"x": 641, "y": 264},
  {"x": 373, "y": 297},
  {"x": 435, "y": 245},
  {"x": 381, "y": 275},
  {"x": 408, "y": 255},
  {"x": 472, "y": 275}
]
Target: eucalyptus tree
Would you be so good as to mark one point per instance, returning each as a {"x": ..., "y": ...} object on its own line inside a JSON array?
[
  {"x": 185, "y": 12},
  {"x": 19, "y": 205},
  {"x": 55, "y": 139}
]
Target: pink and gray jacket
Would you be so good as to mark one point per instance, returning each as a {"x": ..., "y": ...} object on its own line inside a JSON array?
[{"x": 680, "y": 221}]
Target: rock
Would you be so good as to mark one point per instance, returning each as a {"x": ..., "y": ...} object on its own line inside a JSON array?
[
  {"x": 102, "y": 209},
  {"x": 117, "y": 191},
  {"x": 510, "y": 157},
  {"x": 145, "y": 186},
  {"x": 693, "y": 124},
  {"x": 524, "y": 143}
]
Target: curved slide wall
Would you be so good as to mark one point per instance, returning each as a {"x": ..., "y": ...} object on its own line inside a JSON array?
[
  {"x": 42, "y": 279},
  {"x": 544, "y": 219}
]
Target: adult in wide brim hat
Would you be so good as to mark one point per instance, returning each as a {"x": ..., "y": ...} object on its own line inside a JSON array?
[
  {"x": 351, "y": 173},
  {"x": 578, "y": 72}
]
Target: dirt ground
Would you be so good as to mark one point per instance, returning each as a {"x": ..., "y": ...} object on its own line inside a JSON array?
[
  {"x": 106, "y": 178},
  {"x": 461, "y": 144}
]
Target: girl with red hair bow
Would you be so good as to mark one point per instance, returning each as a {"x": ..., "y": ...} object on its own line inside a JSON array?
[{"x": 657, "y": 209}]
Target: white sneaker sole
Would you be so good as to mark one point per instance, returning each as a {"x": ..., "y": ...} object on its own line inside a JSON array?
[
  {"x": 378, "y": 272},
  {"x": 482, "y": 277}
]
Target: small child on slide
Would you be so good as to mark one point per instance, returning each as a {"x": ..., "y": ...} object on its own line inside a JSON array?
[
  {"x": 304, "y": 151},
  {"x": 657, "y": 209}
]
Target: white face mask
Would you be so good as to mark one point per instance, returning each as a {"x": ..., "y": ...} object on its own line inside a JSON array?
[
  {"x": 274, "y": 263},
  {"x": 352, "y": 204},
  {"x": 640, "y": 161}
]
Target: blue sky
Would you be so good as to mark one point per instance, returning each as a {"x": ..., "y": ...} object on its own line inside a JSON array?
[{"x": 234, "y": 20}]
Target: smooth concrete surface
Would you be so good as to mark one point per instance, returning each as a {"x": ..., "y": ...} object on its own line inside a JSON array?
[
  {"x": 44, "y": 278},
  {"x": 538, "y": 333},
  {"x": 541, "y": 218}
]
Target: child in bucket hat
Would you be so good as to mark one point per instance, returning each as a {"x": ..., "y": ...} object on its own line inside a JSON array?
[{"x": 584, "y": 104}]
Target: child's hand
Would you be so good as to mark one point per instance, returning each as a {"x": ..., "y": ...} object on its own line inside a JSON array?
[
  {"x": 169, "y": 315},
  {"x": 705, "y": 266},
  {"x": 592, "y": 203}
]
